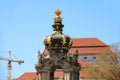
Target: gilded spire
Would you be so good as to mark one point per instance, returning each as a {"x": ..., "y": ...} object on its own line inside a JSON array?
[{"x": 57, "y": 18}]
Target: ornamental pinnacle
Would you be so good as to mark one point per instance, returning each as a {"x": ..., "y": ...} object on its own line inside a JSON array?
[{"x": 57, "y": 18}]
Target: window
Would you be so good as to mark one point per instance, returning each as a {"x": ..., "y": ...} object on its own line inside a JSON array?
[
  {"x": 94, "y": 57},
  {"x": 85, "y": 57}
]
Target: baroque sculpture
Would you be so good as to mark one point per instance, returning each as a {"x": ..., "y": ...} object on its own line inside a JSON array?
[{"x": 58, "y": 57}]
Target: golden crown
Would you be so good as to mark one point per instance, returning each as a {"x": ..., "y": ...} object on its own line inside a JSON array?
[{"x": 57, "y": 18}]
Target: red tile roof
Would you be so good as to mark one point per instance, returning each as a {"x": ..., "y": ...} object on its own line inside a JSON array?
[
  {"x": 58, "y": 74},
  {"x": 83, "y": 64},
  {"x": 87, "y": 50},
  {"x": 85, "y": 46},
  {"x": 85, "y": 42},
  {"x": 32, "y": 75},
  {"x": 27, "y": 76}
]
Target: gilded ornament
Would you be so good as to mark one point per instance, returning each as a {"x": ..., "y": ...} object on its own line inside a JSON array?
[{"x": 57, "y": 18}]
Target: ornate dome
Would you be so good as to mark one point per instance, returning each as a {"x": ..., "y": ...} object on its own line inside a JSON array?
[{"x": 58, "y": 40}]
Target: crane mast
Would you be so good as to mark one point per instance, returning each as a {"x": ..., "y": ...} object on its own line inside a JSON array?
[
  {"x": 9, "y": 67},
  {"x": 9, "y": 59}
]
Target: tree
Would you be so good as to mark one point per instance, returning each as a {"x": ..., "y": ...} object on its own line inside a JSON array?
[{"x": 106, "y": 66}]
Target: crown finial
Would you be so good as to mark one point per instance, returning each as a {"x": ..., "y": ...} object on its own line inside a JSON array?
[
  {"x": 57, "y": 12},
  {"x": 57, "y": 18}
]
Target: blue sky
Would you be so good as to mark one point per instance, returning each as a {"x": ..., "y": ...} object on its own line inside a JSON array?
[{"x": 25, "y": 23}]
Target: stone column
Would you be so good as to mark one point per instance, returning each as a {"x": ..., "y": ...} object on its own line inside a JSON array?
[
  {"x": 52, "y": 75},
  {"x": 45, "y": 75},
  {"x": 71, "y": 75},
  {"x": 74, "y": 75},
  {"x": 66, "y": 76},
  {"x": 39, "y": 76}
]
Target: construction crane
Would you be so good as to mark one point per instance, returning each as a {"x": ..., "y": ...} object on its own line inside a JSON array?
[{"x": 9, "y": 66}]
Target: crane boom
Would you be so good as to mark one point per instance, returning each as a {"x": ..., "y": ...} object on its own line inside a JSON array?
[
  {"x": 6, "y": 59},
  {"x": 9, "y": 64}
]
